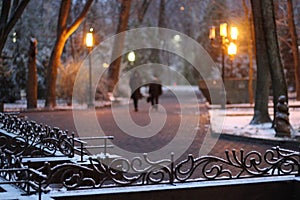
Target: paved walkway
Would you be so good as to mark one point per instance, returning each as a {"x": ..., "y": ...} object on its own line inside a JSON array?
[{"x": 236, "y": 121}]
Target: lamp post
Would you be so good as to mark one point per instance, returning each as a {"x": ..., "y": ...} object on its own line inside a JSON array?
[
  {"x": 228, "y": 42},
  {"x": 228, "y": 45},
  {"x": 89, "y": 42}
]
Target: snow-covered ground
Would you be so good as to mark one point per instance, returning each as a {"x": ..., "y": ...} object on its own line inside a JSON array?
[
  {"x": 238, "y": 117},
  {"x": 20, "y": 105}
]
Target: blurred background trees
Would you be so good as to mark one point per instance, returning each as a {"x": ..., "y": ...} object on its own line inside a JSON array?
[{"x": 191, "y": 17}]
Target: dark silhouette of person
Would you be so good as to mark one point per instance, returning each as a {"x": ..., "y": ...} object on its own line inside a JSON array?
[
  {"x": 135, "y": 84},
  {"x": 155, "y": 90}
]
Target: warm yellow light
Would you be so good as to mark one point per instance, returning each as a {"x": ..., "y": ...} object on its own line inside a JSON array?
[
  {"x": 212, "y": 32},
  {"x": 131, "y": 56},
  {"x": 89, "y": 40},
  {"x": 232, "y": 49},
  {"x": 234, "y": 33},
  {"x": 223, "y": 29},
  {"x": 105, "y": 65}
]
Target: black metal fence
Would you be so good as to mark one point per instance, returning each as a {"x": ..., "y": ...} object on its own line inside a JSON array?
[
  {"x": 27, "y": 138},
  {"x": 13, "y": 171},
  {"x": 98, "y": 173},
  {"x": 143, "y": 171}
]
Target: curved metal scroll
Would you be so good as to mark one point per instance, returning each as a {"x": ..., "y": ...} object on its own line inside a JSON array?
[
  {"x": 27, "y": 138},
  {"x": 143, "y": 171}
]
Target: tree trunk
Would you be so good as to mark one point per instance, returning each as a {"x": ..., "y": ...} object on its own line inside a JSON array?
[
  {"x": 249, "y": 25},
  {"x": 52, "y": 72},
  {"x": 276, "y": 69},
  {"x": 114, "y": 68},
  {"x": 155, "y": 53},
  {"x": 261, "y": 113},
  {"x": 293, "y": 33},
  {"x": 32, "y": 75}
]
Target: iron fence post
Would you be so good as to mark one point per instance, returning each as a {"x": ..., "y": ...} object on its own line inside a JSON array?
[
  {"x": 105, "y": 143},
  {"x": 81, "y": 152},
  {"x": 73, "y": 145},
  {"x": 299, "y": 162},
  {"x": 40, "y": 190},
  {"x": 172, "y": 169}
]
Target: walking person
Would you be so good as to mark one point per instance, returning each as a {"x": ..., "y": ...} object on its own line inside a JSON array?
[
  {"x": 155, "y": 90},
  {"x": 135, "y": 84}
]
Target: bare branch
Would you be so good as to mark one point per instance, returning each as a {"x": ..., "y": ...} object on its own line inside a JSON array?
[
  {"x": 16, "y": 15},
  {"x": 62, "y": 17},
  {"x": 142, "y": 10},
  {"x": 4, "y": 15},
  {"x": 80, "y": 18}
]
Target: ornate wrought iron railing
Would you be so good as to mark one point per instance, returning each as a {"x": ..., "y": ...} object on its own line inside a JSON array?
[
  {"x": 27, "y": 138},
  {"x": 84, "y": 146},
  {"x": 12, "y": 171},
  {"x": 19, "y": 135},
  {"x": 143, "y": 171}
]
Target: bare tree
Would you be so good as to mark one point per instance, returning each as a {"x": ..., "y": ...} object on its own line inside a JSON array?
[
  {"x": 10, "y": 13},
  {"x": 142, "y": 10},
  {"x": 32, "y": 75},
  {"x": 261, "y": 113},
  {"x": 249, "y": 25},
  {"x": 276, "y": 69},
  {"x": 114, "y": 69},
  {"x": 64, "y": 31},
  {"x": 268, "y": 60},
  {"x": 293, "y": 33}
]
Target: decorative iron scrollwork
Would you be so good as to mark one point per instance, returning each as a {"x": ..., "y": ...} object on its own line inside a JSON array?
[
  {"x": 45, "y": 141},
  {"x": 143, "y": 171},
  {"x": 27, "y": 138},
  {"x": 13, "y": 170}
]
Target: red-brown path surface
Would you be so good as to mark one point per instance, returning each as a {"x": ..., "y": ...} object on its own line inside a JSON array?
[{"x": 64, "y": 120}]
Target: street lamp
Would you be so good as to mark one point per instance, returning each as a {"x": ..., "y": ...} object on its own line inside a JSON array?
[
  {"x": 232, "y": 49},
  {"x": 228, "y": 41},
  {"x": 89, "y": 42},
  {"x": 228, "y": 45},
  {"x": 234, "y": 33},
  {"x": 212, "y": 33}
]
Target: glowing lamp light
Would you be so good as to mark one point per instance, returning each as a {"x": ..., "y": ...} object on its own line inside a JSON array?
[
  {"x": 234, "y": 33},
  {"x": 131, "y": 56},
  {"x": 232, "y": 49},
  {"x": 89, "y": 39},
  {"x": 212, "y": 33},
  {"x": 177, "y": 38},
  {"x": 105, "y": 65},
  {"x": 14, "y": 39},
  {"x": 223, "y": 29}
]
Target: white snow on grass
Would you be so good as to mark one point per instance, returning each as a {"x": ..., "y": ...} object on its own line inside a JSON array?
[{"x": 239, "y": 116}]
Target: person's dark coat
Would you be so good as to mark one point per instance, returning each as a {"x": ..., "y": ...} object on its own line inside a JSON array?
[
  {"x": 135, "y": 84},
  {"x": 155, "y": 89}
]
